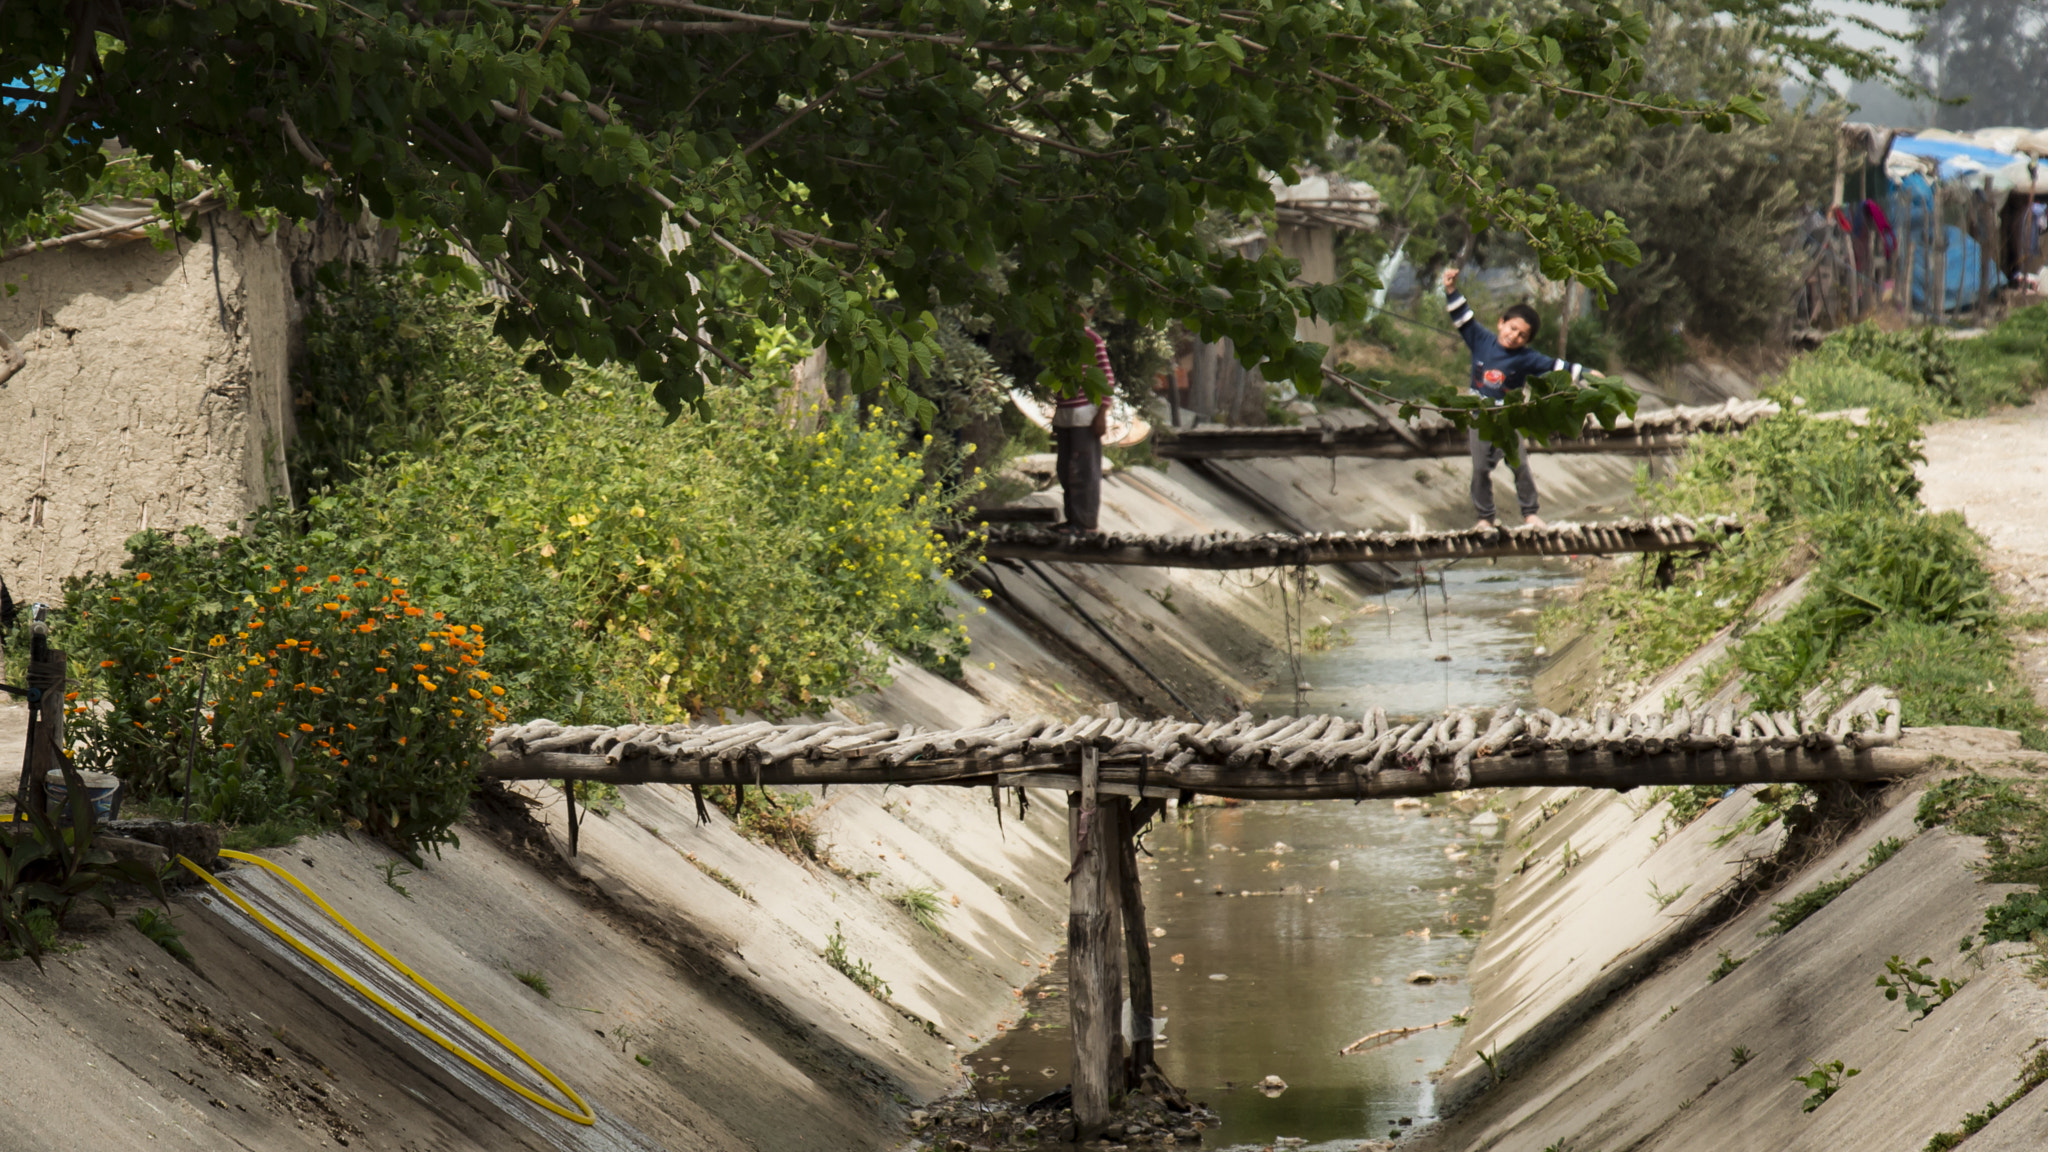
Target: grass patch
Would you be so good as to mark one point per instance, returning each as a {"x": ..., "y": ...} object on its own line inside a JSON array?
[
  {"x": 924, "y": 906},
  {"x": 728, "y": 883},
  {"x": 1688, "y": 802},
  {"x": 2009, "y": 814},
  {"x": 1897, "y": 595},
  {"x": 1323, "y": 637},
  {"x": 853, "y": 969},
  {"x": 1791, "y": 913},
  {"x": 162, "y": 931},
  {"x": 536, "y": 980},
  {"x": 276, "y": 832},
  {"x": 779, "y": 819},
  {"x": 2032, "y": 1074},
  {"x": 1727, "y": 964}
]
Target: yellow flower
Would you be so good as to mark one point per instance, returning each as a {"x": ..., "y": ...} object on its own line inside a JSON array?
[{"x": 429, "y": 685}]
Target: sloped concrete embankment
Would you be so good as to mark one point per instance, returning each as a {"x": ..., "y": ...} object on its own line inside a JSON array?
[
  {"x": 1598, "y": 1021},
  {"x": 688, "y": 996},
  {"x": 1216, "y": 639}
]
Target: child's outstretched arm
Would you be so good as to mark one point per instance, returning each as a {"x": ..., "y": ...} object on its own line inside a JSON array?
[{"x": 1460, "y": 312}]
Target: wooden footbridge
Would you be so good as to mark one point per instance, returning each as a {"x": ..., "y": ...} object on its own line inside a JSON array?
[
  {"x": 1289, "y": 550},
  {"x": 1389, "y": 438},
  {"x": 1118, "y": 774}
]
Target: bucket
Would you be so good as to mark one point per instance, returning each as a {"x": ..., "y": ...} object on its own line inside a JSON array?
[{"x": 102, "y": 788}]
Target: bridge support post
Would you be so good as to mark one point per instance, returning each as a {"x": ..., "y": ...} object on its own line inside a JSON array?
[
  {"x": 1094, "y": 960},
  {"x": 1137, "y": 945}
]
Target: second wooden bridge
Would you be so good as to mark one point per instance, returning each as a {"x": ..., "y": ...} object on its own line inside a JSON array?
[
  {"x": 1428, "y": 437},
  {"x": 1285, "y": 550}
]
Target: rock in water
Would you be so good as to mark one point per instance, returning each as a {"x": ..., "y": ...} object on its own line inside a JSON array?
[{"x": 1422, "y": 976}]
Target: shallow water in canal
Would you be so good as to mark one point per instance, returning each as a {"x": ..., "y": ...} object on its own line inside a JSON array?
[{"x": 1284, "y": 931}]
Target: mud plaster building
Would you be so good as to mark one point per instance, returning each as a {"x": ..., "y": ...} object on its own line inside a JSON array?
[{"x": 156, "y": 388}]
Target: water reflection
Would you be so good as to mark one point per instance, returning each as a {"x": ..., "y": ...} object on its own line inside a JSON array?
[
  {"x": 1290, "y": 930},
  {"x": 1486, "y": 626}
]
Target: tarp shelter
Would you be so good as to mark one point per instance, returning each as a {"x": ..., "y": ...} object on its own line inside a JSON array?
[{"x": 1964, "y": 263}]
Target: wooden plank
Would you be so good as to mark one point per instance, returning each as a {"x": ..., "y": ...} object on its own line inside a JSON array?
[
  {"x": 1091, "y": 936},
  {"x": 1551, "y": 768},
  {"x": 1283, "y": 551},
  {"x": 1137, "y": 946},
  {"x": 1384, "y": 444}
]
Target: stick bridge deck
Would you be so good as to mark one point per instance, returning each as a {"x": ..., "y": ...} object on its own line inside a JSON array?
[
  {"x": 1431, "y": 436},
  {"x": 1305, "y": 758},
  {"x": 1283, "y": 550}
]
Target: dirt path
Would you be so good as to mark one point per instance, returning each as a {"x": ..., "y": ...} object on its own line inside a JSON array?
[{"x": 1994, "y": 469}]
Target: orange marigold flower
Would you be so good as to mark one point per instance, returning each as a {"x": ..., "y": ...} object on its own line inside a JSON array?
[
  {"x": 440, "y": 615},
  {"x": 359, "y": 571},
  {"x": 419, "y": 667},
  {"x": 177, "y": 659},
  {"x": 412, "y": 611},
  {"x": 429, "y": 685},
  {"x": 141, "y": 576},
  {"x": 475, "y": 695},
  {"x": 334, "y": 579},
  {"x": 305, "y": 727},
  {"x": 401, "y": 741},
  {"x": 108, "y": 663},
  {"x": 426, "y": 647},
  {"x": 497, "y": 691},
  {"x": 383, "y": 669},
  {"x": 300, "y": 568}
]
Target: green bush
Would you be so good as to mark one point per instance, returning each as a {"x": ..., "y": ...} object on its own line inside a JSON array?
[
  {"x": 1923, "y": 368},
  {"x": 1829, "y": 384},
  {"x": 2011, "y": 359},
  {"x": 1899, "y": 585},
  {"x": 328, "y": 693},
  {"x": 743, "y": 557}
]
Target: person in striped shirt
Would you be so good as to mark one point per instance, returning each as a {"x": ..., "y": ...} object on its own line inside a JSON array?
[
  {"x": 1078, "y": 425},
  {"x": 1502, "y": 362}
]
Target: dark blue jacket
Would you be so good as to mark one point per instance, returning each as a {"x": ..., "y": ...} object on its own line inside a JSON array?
[{"x": 1496, "y": 370}]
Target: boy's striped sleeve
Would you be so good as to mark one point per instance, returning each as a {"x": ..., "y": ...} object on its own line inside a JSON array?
[
  {"x": 1578, "y": 370},
  {"x": 1460, "y": 312}
]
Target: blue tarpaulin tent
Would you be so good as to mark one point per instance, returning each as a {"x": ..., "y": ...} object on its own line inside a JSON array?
[
  {"x": 1955, "y": 160},
  {"x": 1965, "y": 262}
]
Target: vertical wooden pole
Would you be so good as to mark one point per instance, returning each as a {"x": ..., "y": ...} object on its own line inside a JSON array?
[
  {"x": 46, "y": 672},
  {"x": 1987, "y": 235},
  {"x": 1905, "y": 286},
  {"x": 1137, "y": 945},
  {"x": 1937, "y": 252},
  {"x": 1092, "y": 961}
]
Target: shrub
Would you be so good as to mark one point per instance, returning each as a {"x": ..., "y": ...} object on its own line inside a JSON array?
[
  {"x": 328, "y": 693},
  {"x": 627, "y": 567}
]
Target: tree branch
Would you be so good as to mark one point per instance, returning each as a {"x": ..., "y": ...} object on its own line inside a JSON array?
[{"x": 822, "y": 97}]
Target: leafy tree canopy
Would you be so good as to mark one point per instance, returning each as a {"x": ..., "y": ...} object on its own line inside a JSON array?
[{"x": 652, "y": 180}]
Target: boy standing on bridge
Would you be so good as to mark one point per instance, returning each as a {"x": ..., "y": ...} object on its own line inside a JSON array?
[{"x": 1502, "y": 361}]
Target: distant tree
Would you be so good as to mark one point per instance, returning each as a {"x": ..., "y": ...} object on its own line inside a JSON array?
[
  {"x": 1712, "y": 213},
  {"x": 1992, "y": 55},
  {"x": 653, "y": 181}
]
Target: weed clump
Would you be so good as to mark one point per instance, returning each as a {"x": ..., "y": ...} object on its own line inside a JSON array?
[
  {"x": 923, "y": 906},
  {"x": 1791, "y": 913},
  {"x": 853, "y": 969},
  {"x": 779, "y": 819}
]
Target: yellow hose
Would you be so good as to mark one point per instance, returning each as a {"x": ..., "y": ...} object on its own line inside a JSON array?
[{"x": 584, "y": 1115}]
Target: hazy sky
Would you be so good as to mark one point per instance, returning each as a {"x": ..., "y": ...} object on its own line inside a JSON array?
[{"x": 1890, "y": 18}]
